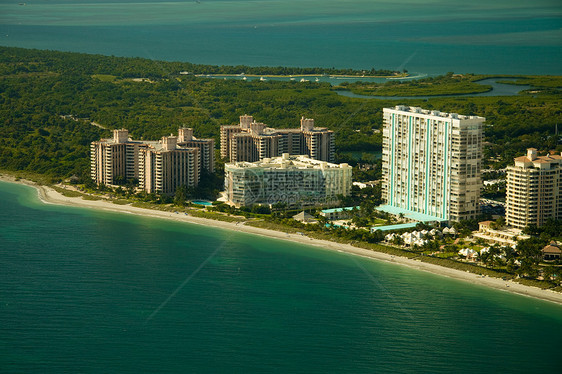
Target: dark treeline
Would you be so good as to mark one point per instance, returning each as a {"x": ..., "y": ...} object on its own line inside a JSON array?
[
  {"x": 38, "y": 88},
  {"x": 283, "y": 70},
  {"x": 13, "y": 60}
]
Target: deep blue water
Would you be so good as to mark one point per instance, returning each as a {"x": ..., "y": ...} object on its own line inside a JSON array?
[
  {"x": 88, "y": 291},
  {"x": 431, "y": 37}
]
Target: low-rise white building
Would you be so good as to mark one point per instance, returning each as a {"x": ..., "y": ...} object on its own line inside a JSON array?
[
  {"x": 502, "y": 236},
  {"x": 293, "y": 180},
  {"x": 339, "y": 213},
  {"x": 469, "y": 253}
]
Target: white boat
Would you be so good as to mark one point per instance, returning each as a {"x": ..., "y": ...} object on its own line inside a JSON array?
[
  {"x": 262, "y": 79},
  {"x": 303, "y": 80}
]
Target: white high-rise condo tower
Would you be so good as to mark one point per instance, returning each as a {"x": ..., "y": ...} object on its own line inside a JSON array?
[{"x": 431, "y": 162}]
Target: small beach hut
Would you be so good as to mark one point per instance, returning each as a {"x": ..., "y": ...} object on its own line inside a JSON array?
[
  {"x": 551, "y": 252},
  {"x": 304, "y": 217}
]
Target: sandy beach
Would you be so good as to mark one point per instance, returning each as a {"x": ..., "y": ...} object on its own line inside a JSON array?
[{"x": 50, "y": 196}]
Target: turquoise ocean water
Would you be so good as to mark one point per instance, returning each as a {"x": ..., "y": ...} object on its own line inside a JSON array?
[
  {"x": 87, "y": 291},
  {"x": 430, "y": 36}
]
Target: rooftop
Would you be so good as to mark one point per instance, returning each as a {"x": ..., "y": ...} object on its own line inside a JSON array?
[
  {"x": 112, "y": 141},
  {"x": 289, "y": 162},
  {"x": 551, "y": 249},
  {"x": 416, "y": 216},
  {"x": 435, "y": 113},
  {"x": 400, "y": 226},
  {"x": 333, "y": 210},
  {"x": 303, "y": 216},
  {"x": 540, "y": 159}
]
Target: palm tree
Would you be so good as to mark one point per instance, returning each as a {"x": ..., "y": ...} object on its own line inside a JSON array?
[
  {"x": 508, "y": 252},
  {"x": 485, "y": 258},
  {"x": 398, "y": 240},
  {"x": 494, "y": 253},
  {"x": 498, "y": 261},
  {"x": 180, "y": 196},
  {"x": 547, "y": 273},
  {"x": 322, "y": 221},
  {"x": 527, "y": 268}
]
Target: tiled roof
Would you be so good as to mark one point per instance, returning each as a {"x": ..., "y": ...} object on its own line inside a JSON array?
[
  {"x": 551, "y": 249},
  {"x": 540, "y": 159}
]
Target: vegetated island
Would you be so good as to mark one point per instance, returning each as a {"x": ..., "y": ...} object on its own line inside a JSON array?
[
  {"x": 448, "y": 84},
  {"x": 54, "y": 104}
]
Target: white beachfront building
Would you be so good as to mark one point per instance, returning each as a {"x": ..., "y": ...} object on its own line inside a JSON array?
[
  {"x": 293, "y": 180},
  {"x": 431, "y": 162}
]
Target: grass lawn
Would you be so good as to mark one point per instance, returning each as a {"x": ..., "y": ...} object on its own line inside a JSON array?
[
  {"x": 104, "y": 77},
  {"x": 378, "y": 222}
]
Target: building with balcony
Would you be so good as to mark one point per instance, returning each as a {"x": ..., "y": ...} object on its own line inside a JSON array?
[
  {"x": 159, "y": 166},
  {"x": 431, "y": 162},
  {"x": 164, "y": 166},
  {"x": 534, "y": 189},
  {"x": 114, "y": 160},
  {"x": 206, "y": 148},
  {"x": 488, "y": 231},
  {"x": 253, "y": 141},
  {"x": 292, "y": 180}
]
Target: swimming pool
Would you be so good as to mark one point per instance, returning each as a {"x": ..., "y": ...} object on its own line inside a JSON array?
[{"x": 202, "y": 202}]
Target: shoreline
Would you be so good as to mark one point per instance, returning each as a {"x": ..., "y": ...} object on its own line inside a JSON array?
[
  {"x": 407, "y": 76},
  {"x": 394, "y": 96},
  {"x": 48, "y": 195}
]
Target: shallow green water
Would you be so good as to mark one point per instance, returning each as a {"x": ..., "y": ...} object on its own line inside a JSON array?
[{"x": 87, "y": 291}]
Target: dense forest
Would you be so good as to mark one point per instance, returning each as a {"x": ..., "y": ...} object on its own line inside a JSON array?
[
  {"x": 126, "y": 67},
  {"x": 40, "y": 89}
]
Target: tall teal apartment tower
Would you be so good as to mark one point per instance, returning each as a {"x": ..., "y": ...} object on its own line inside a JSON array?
[{"x": 431, "y": 162}]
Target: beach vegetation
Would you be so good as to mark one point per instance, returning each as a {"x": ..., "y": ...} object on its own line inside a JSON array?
[
  {"x": 67, "y": 193},
  {"x": 91, "y": 197},
  {"x": 120, "y": 201},
  {"x": 180, "y": 196}
]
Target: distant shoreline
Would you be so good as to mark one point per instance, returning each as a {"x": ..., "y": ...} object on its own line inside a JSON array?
[
  {"x": 399, "y": 76},
  {"x": 49, "y": 196}
]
